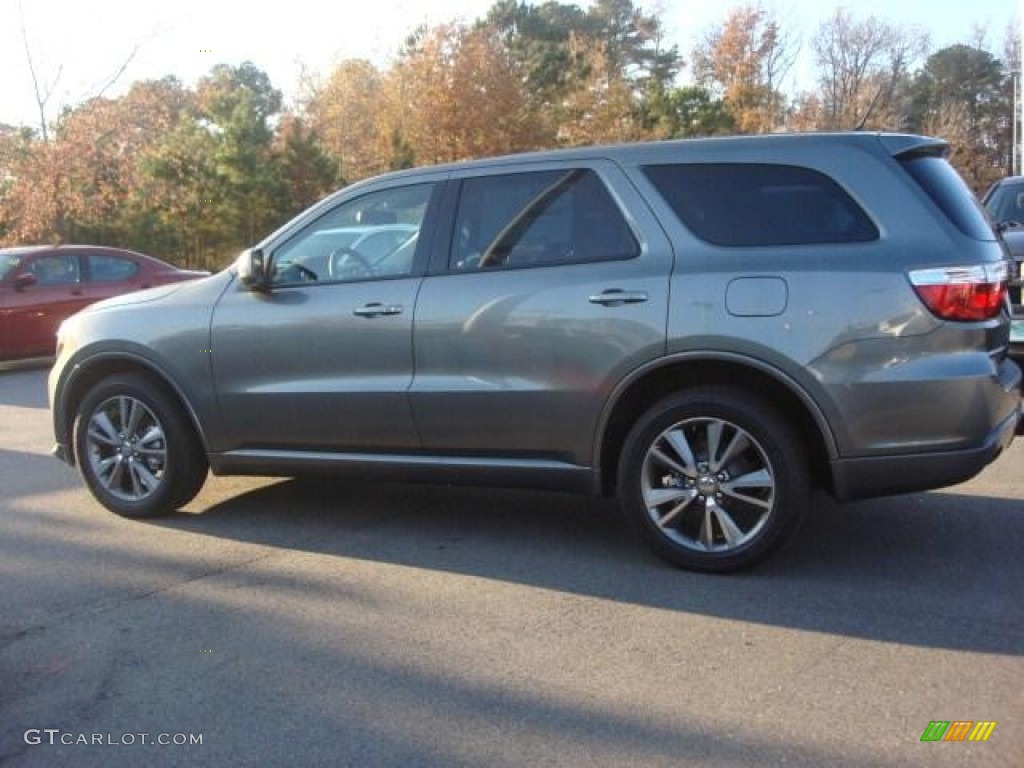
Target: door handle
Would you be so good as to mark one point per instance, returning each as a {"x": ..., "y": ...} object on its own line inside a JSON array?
[
  {"x": 376, "y": 309},
  {"x": 615, "y": 297}
]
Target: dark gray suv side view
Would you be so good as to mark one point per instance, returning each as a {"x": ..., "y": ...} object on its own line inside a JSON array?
[{"x": 709, "y": 329}]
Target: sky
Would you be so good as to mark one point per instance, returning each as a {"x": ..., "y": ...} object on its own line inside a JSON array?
[{"x": 78, "y": 46}]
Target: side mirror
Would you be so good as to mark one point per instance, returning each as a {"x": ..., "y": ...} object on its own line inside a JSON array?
[
  {"x": 252, "y": 269},
  {"x": 25, "y": 280}
]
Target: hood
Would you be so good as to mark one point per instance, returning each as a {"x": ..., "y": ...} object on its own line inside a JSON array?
[
  {"x": 136, "y": 297},
  {"x": 204, "y": 290},
  {"x": 181, "y": 275}
]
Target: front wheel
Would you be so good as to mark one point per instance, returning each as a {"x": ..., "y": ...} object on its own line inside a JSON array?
[
  {"x": 715, "y": 479},
  {"x": 136, "y": 450}
]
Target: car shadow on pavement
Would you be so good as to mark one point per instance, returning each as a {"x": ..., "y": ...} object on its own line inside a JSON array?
[
  {"x": 27, "y": 474},
  {"x": 934, "y": 570},
  {"x": 23, "y": 383}
]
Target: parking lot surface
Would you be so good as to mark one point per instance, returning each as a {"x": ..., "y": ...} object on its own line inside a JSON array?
[{"x": 300, "y": 622}]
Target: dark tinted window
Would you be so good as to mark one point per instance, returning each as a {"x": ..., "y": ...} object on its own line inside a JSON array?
[
  {"x": 538, "y": 219},
  {"x": 750, "y": 204},
  {"x": 110, "y": 268},
  {"x": 951, "y": 194}
]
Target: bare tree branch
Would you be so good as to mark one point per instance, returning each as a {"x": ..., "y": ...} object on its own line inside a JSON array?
[
  {"x": 112, "y": 80},
  {"x": 41, "y": 98}
]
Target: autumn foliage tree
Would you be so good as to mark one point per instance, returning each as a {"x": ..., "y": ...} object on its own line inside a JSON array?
[
  {"x": 865, "y": 68},
  {"x": 192, "y": 173},
  {"x": 744, "y": 60},
  {"x": 456, "y": 95},
  {"x": 349, "y": 114}
]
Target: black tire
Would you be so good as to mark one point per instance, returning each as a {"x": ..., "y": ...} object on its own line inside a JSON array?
[
  {"x": 713, "y": 513},
  {"x": 151, "y": 465}
]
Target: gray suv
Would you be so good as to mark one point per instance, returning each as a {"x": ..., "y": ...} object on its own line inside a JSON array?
[{"x": 708, "y": 329}]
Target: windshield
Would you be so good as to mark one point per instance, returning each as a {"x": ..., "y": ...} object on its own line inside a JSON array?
[
  {"x": 1006, "y": 204},
  {"x": 8, "y": 262}
]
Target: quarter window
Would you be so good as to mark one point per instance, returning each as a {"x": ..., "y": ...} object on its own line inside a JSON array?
[
  {"x": 538, "y": 219},
  {"x": 373, "y": 236},
  {"x": 948, "y": 190},
  {"x": 737, "y": 204}
]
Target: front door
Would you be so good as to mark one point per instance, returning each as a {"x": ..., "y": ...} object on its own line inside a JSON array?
[{"x": 323, "y": 361}]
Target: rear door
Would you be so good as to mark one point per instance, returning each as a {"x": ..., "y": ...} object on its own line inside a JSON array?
[{"x": 550, "y": 286}]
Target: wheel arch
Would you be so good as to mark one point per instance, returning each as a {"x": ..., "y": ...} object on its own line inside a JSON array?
[
  {"x": 86, "y": 373},
  {"x": 759, "y": 379}
]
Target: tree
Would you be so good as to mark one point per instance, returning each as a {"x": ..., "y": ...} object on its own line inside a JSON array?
[
  {"x": 350, "y": 113},
  {"x": 103, "y": 141},
  {"x": 535, "y": 39},
  {"x": 633, "y": 43},
  {"x": 608, "y": 59},
  {"x": 180, "y": 183},
  {"x": 601, "y": 108},
  {"x": 43, "y": 88},
  {"x": 959, "y": 94},
  {"x": 309, "y": 173},
  {"x": 864, "y": 71},
  {"x": 458, "y": 96},
  {"x": 33, "y": 174},
  {"x": 687, "y": 112},
  {"x": 236, "y": 105},
  {"x": 744, "y": 61}
]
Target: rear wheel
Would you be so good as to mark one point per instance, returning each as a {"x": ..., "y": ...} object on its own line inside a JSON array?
[
  {"x": 136, "y": 450},
  {"x": 714, "y": 479}
]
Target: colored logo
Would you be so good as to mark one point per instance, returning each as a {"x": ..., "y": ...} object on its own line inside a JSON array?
[{"x": 958, "y": 730}]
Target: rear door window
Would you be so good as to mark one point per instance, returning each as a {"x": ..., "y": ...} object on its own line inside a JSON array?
[
  {"x": 751, "y": 204},
  {"x": 538, "y": 219}
]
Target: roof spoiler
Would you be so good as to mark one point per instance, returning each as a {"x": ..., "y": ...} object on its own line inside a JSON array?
[{"x": 906, "y": 146}]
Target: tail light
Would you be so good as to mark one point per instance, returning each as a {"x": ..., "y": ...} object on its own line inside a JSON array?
[{"x": 963, "y": 293}]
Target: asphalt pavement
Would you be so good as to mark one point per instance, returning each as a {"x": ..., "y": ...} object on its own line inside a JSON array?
[{"x": 299, "y": 622}]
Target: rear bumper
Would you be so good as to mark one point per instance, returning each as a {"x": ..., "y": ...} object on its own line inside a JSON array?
[{"x": 888, "y": 475}]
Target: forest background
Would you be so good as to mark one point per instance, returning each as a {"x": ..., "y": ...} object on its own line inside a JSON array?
[{"x": 193, "y": 173}]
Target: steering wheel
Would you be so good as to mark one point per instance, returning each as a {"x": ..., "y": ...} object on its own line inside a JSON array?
[
  {"x": 295, "y": 273},
  {"x": 348, "y": 263},
  {"x": 306, "y": 274}
]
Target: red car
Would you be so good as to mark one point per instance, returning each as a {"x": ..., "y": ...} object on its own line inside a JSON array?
[{"x": 40, "y": 286}]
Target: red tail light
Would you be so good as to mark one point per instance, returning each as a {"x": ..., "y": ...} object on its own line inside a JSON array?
[{"x": 963, "y": 293}]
